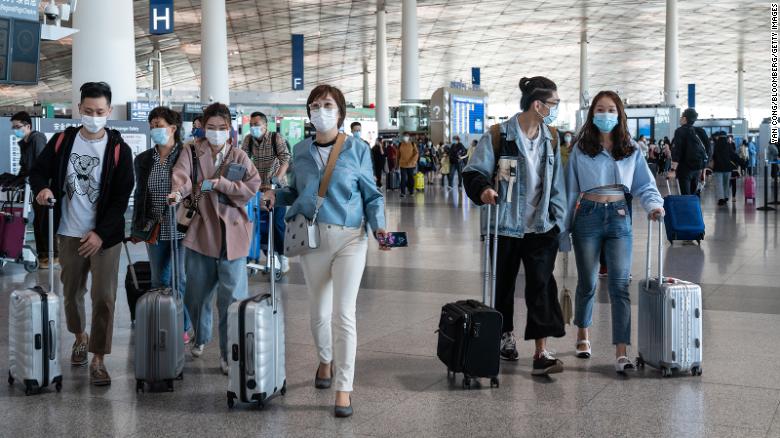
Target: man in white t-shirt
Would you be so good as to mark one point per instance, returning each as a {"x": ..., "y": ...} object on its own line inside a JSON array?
[{"x": 89, "y": 172}]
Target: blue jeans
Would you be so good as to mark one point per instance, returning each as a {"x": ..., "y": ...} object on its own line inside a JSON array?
[
  {"x": 279, "y": 227},
  {"x": 598, "y": 225},
  {"x": 207, "y": 275},
  {"x": 160, "y": 263},
  {"x": 722, "y": 184}
]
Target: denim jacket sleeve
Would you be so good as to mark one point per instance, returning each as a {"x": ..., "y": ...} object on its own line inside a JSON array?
[
  {"x": 572, "y": 187},
  {"x": 643, "y": 185},
  {"x": 373, "y": 201},
  {"x": 478, "y": 174},
  {"x": 558, "y": 205}
]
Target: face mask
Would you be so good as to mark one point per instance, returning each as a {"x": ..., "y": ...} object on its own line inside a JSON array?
[
  {"x": 217, "y": 138},
  {"x": 93, "y": 124},
  {"x": 567, "y": 138},
  {"x": 356, "y": 134},
  {"x": 324, "y": 119},
  {"x": 160, "y": 136},
  {"x": 197, "y": 133},
  {"x": 256, "y": 131},
  {"x": 606, "y": 122},
  {"x": 430, "y": 144},
  {"x": 406, "y": 139},
  {"x": 550, "y": 118},
  {"x": 19, "y": 133}
]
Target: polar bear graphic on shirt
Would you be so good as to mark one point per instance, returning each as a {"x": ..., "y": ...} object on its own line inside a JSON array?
[{"x": 82, "y": 182}]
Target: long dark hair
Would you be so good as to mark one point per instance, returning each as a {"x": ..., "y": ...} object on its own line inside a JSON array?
[{"x": 589, "y": 138}]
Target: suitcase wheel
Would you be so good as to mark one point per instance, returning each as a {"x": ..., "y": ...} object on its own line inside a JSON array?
[
  {"x": 231, "y": 401},
  {"x": 139, "y": 386},
  {"x": 169, "y": 385},
  {"x": 180, "y": 376},
  {"x": 30, "y": 389},
  {"x": 466, "y": 383},
  {"x": 696, "y": 371},
  {"x": 640, "y": 363},
  {"x": 260, "y": 405},
  {"x": 494, "y": 382},
  {"x": 10, "y": 378},
  {"x": 283, "y": 391},
  {"x": 58, "y": 386},
  {"x": 450, "y": 375},
  {"x": 666, "y": 372}
]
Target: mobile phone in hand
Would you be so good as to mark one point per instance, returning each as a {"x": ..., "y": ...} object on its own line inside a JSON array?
[
  {"x": 207, "y": 186},
  {"x": 395, "y": 239}
]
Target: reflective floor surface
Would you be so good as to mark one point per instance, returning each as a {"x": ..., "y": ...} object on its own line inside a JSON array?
[{"x": 401, "y": 389}]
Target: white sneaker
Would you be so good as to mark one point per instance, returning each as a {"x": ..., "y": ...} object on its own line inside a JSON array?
[
  {"x": 285, "y": 264},
  {"x": 223, "y": 366},
  {"x": 197, "y": 350}
]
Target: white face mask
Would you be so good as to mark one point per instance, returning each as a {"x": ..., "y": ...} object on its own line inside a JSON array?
[
  {"x": 324, "y": 120},
  {"x": 93, "y": 124},
  {"x": 217, "y": 138}
]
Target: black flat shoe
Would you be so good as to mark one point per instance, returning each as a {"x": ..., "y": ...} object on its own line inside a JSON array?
[
  {"x": 344, "y": 411},
  {"x": 321, "y": 383}
]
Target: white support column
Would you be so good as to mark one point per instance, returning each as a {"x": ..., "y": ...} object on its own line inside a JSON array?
[
  {"x": 740, "y": 91},
  {"x": 366, "y": 98},
  {"x": 584, "y": 95},
  {"x": 671, "y": 68},
  {"x": 104, "y": 50},
  {"x": 214, "y": 78},
  {"x": 382, "y": 111},
  {"x": 410, "y": 71}
]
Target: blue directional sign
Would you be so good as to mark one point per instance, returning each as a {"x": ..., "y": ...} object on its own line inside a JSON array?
[
  {"x": 475, "y": 80},
  {"x": 691, "y": 95},
  {"x": 297, "y": 61},
  {"x": 160, "y": 17}
]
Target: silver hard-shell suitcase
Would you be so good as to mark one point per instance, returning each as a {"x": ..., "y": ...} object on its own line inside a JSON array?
[
  {"x": 670, "y": 320},
  {"x": 256, "y": 363},
  {"x": 34, "y": 331},
  {"x": 159, "y": 328}
]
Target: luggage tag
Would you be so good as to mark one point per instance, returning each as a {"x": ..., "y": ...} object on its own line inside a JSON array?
[{"x": 507, "y": 171}]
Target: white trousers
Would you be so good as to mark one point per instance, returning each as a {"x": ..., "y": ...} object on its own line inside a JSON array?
[{"x": 333, "y": 273}]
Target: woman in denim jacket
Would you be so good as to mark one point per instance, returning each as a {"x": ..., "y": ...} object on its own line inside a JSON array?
[
  {"x": 524, "y": 174},
  {"x": 604, "y": 166},
  {"x": 334, "y": 270}
]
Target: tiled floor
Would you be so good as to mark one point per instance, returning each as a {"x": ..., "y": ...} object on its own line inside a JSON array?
[{"x": 401, "y": 388}]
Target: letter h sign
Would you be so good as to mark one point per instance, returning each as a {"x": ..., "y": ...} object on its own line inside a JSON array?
[{"x": 160, "y": 17}]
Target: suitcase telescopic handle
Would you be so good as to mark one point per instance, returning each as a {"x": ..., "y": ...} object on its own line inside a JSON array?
[
  {"x": 174, "y": 250},
  {"x": 490, "y": 260},
  {"x": 660, "y": 251},
  {"x": 51, "y": 202}
]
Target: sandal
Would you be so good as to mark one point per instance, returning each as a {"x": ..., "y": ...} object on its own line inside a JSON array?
[
  {"x": 583, "y": 354},
  {"x": 623, "y": 363}
]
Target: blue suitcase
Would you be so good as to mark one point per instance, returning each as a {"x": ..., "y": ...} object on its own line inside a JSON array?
[
  {"x": 683, "y": 220},
  {"x": 259, "y": 227}
]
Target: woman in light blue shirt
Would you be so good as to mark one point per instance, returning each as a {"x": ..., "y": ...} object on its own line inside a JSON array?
[
  {"x": 605, "y": 165},
  {"x": 334, "y": 270}
]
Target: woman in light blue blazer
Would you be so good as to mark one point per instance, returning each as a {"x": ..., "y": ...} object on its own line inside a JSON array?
[{"x": 334, "y": 270}]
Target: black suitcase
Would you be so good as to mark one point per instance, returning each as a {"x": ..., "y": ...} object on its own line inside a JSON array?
[
  {"x": 138, "y": 281},
  {"x": 470, "y": 331}
]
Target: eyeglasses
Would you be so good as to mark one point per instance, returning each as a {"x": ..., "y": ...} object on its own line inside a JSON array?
[
  {"x": 316, "y": 106},
  {"x": 18, "y": 126},
  {"x": 551, "y": 105}
]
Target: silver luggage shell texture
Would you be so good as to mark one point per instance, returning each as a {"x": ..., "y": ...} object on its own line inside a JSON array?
[
  {"x": 670, "y": 320},
  {"x": 34, "y": 331},
  {"x": 159, "y": 329},
  {"x": 256, "y": 356}
]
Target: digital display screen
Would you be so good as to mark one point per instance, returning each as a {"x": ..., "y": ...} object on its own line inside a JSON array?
[{"x": 468, "y": 115}]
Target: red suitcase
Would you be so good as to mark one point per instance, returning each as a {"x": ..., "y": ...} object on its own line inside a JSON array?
[
  {"x": 12, "y": 229},
  {"x": 750, "y": 189}
]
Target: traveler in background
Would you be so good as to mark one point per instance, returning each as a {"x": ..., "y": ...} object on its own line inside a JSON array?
[
  {"x": 333, "y": 271},
  {"x": 90, "y": 175},
  {"x": 445, "y": 167},
  {"x": 531, "y": 187},
  {"x": 470, "y": 151},
  {"x": 457, "y": 154},
  {"x": 357, "y": 130},
  {"x": 378, "y": 158},
  {"x": 642, "y": 144},
  {"x": 217, "y": 240},
  {"x": 652, "y": 152},
  {"x": 605, "y": 166},
  {"x": 270, "y": 154},
  {"x": 689, "y": 153},
  {"x": 393, "y": 178},
  {"x": 153, "y": 170},
  {"x": 666, "y": 156},
  {"x": 739, "y": 163},
  {"x": 752, "y": 157},
  {"x": 408, "y": 155},
  {"x": 197, "y": 128},
  {"x": 31, "y": 145},
  {"x": 772, "y": 156},
  {"x": 566, "y": 140}
]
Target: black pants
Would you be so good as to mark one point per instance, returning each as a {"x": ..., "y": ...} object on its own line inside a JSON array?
[
  {"x": 407, "y": 180},
  {"x": 378, "y": 175},
  {"x": 41, "y": 231},
  {"x": 537, "y": 252},
  {"x": 688, "y": 182}
]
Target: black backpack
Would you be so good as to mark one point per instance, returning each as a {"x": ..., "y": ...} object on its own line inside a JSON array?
[{"x": 696, "y": 154}]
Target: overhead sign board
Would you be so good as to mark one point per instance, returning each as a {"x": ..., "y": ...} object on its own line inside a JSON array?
[
  {"x": 160, "y": 17},
  {"x": 297, "y": 61},
  {"x": 21, "y": 9}
]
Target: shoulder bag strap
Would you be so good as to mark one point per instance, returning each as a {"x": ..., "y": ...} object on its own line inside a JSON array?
[{"x": 325, "y": 182}]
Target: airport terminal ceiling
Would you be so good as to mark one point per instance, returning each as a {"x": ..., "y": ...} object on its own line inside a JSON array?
[{"x": 506, "y": 38}]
